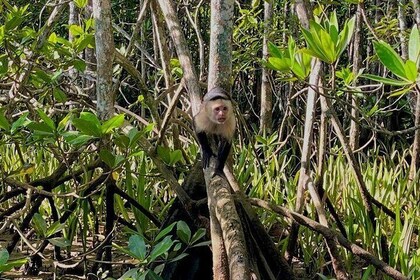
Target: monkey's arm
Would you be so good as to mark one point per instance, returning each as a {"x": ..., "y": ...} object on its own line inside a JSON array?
[
  {"x": 223, "y": 153},
  {"x": 205, "y": 148}
]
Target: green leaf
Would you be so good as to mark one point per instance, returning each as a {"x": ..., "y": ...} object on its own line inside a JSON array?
[
  {"x": 4, "y": 256},
  {"x": 328, "y": 46},
  {"x": 279, "y": 64},
  {"x": 137, "y": 246},
  {"x": 414, "y": 45},
  {"x": 59, "y": 95},
  {"x": 183, "y": 232},
  {"x": 63, "y": 123},
  {"x": 165, "y": 231},
  {"x": 78, "y": 140},
  {"x": 107, "y": 157},
  {"x": 390, "y": 58},
  {"x": 79, "y": 65},
  {"x": 40, "y": 129},
  {"x": 175, "y": 156},
  {"x": 274, "y": 50},
  {"x": 161, "y": 248},
  {"x": 54, "y": 228},
  {"x": 76, "y": 30},
  {"x": 410, "y": 70},
  {"x": 314, "y": 42},
  {"x": 198, "y": 235},
  {"x": 81, "y": 3},
  {"x": 4, "y": 123},
  {"x": 47, "y": 120},
  {"x": 21, "y": 122},
  {"x": 134, "y": 135},
  {"x": 60, "y": 242},
  {"x": 88, "y": 124},
  {"x": 11, "y": 264},
  {"x": 164, "y": 153},
  {"x": 112, "y": 123},
  {"x": 386, "y": 81},
  {"x": 39, "y": 224},
  {"x": 345, "y": 36}
]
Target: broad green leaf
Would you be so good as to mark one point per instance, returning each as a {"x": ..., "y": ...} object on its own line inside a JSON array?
[
  {"x": 279, "y": 64},
  {"x": 4, "y": 123},
  {"x": 333, "y": 22},
  {"x": 4, "y": 256},
  {"x": 175, "y": 156},
  {"x": 81, "y": 3},
  {"x": 47, "y": 120},
  {"x": 165, "y": 231},
  {"x": 274, "y": 50},
  {"x": 400, "y": 91},
  {"x": 183, "y": 232},
  {"x": 91, "y": 118},
  {"x": 345, "y": 36},
  {"x": 137, "y": 246},
  {"x": 386, "y": 81},
  {"x": 63, "y": 123},
  {"x": 12, "y": 264},
  {"x": 164, "y": 153},
  {"x": 60, "y": 242},
  {"x": 86, "y": 127},
  {"x": 59, "y": 95},
  {"x": 40, "y": 224},
  {"x": 292, "y": 50},
  {"x": 410, "y": 70},
  {"x": 40, "y": 129},
  {"x": 130, "y": 274},
  {"x": 328, "y": 46},
  {"x": 76, "y": 30},
  {"x": 88, "y": 124},
  {"x": 107, "y": 157},
  {"x": 298, "y": 71},
  {"x": 79, "y": 139},
  {"x": 21, "y": 122},
  {"x": 314, "y": 42},
  {"x": 79, "y": 65},
  {"x": 198, "y": 235},
  {"x": 134, "y": 136},
  {"x": 112, "y": 123},
  {"x": 414, "y": 46},
  {"x": 161, "y": 248},
  {"x": 390, "y": 58},
  {"x": 54, "y": 228}
]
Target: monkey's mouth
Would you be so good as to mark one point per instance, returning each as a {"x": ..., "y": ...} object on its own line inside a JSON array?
[{"x": 221, "y": 120}]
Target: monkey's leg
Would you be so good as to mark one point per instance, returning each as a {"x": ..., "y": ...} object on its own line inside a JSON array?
[
  {"x": 205, "y": 148},
  {"x": 223, "y": 153}
]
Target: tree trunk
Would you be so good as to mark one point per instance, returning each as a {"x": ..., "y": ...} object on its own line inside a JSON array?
[
  {"x": 220, "y": 57},
  {"x": 183, "y": 52},
  {"x": 266, "y": 94},
  {"x": 354, "y": 126},
  {"x": 104, "y": 41}
]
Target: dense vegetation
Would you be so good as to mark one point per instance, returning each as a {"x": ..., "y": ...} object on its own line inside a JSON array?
[{"x": 65, "y": 172}]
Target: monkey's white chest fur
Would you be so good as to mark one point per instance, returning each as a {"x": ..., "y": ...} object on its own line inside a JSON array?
[{"x": 226, "y": 130}]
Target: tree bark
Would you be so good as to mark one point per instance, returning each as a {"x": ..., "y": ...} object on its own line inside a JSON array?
[
  {"x": 266, "y": 93},
  {"x": 354, "y": 126},
  {"x": 104, "y": 41},
  {"x": 220, "y": 68},
  {"x": 183, "y": 52}
]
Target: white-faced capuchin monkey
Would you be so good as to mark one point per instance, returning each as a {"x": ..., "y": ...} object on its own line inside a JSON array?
[{"x": 215, "y": 122}]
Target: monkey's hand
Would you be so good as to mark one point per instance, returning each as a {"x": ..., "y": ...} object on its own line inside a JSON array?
[
  {"x": 219, "y": 172},
  {"x": 206, "y": 158}
]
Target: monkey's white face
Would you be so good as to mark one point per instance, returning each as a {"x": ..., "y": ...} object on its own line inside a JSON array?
[{"x": 220, "y": 111}]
